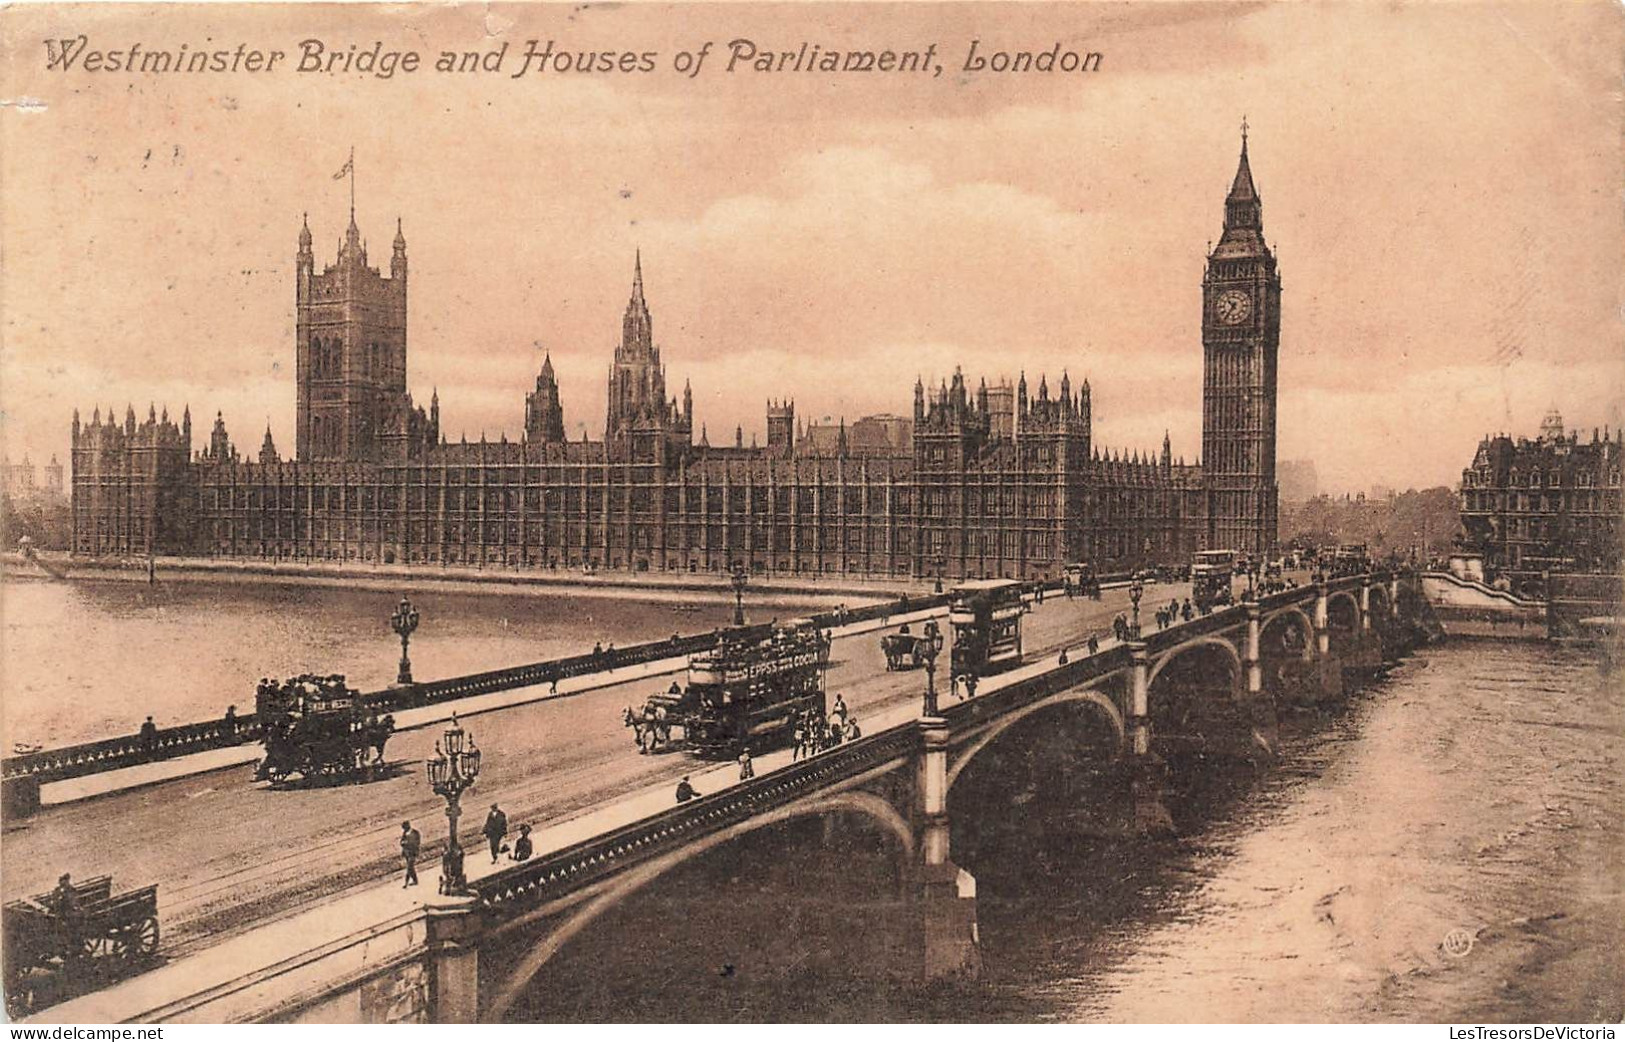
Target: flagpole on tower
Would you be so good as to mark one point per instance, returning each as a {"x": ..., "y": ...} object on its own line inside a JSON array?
[{"x": 349, "y": 168}]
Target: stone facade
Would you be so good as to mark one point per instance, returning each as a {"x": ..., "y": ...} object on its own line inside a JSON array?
[
  {"x": 1551, "y": 503},
  {"x": 992, "y": 483}
]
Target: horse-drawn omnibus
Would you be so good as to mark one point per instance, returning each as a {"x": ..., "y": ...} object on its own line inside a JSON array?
[
  {"x": 1081, "y": 581},
  {"x": 986, "y": 617},
  {"x": 318, "y": 727},
  {"x": 1211, "y": 571},
  {"x": 55, "y": 943},
  {"x": 740, "y": 694}
]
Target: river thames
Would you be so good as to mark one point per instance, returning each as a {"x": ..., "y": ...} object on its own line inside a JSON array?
[
  {"x": 1475, "y": 792},
  {"x": 90, "y": 659}
]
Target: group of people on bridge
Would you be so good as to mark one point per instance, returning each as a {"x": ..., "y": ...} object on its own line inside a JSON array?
[
  {"x": 1167, "y": 616},
  {"x": 814, "y": 731}
]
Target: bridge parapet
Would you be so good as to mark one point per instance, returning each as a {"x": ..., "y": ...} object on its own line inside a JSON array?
[
  {"x": 515, "y": 890},
  {"x": 1080, "y": 672}
]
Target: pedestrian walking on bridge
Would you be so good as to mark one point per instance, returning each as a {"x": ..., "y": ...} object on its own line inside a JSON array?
[
  {"x": 747, "y": 770},
  {"x": 496, "y": 827},
  {"x": 411, "y": 845}
]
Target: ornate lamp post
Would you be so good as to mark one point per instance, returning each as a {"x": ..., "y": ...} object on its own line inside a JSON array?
[
  {"x": 1249, "y": 569},
  {"x": 451, "y": 773},
  {"x": 404, "y": 622},
  {"x": 740, "y": 579},
  {"x": 931, "y": 647},
  {"x": 1136, "y": 590}
]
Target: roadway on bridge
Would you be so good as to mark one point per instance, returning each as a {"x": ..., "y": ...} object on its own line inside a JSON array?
[{"x": 228, "y": 852}]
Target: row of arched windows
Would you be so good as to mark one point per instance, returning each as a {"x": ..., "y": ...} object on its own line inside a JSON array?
[
  {"x": 327, "y": 358},
  {"x": 326, "y": 434}
]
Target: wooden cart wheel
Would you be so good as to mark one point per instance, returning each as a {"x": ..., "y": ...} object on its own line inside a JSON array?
[
  {"x": 137, "y": 940},
  {"x": 90, "y": 947}
]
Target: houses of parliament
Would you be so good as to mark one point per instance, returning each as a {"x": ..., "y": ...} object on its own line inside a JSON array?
[{"x": 983, "y": 481}]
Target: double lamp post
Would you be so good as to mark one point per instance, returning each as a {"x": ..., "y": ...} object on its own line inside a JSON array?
[{"x": 456, "y": 763}]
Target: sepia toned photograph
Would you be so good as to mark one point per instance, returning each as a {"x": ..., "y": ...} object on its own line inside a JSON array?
[{"x": 875, "y": 513}]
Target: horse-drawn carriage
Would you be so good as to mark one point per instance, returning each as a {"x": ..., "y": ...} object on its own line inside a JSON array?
[
  {"x": 72, "y": 933},
  {"x": 904, "y": 650},
  {"x": 318, "y": 727},
  {"x": 1080, "y": 581},
  {"x": 741, "y": 694}
]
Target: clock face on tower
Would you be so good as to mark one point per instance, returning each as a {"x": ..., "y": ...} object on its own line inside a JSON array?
[{"x": 1232, "y": 307}]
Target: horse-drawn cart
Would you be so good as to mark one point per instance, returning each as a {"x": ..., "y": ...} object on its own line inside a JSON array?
[
  {"x": 74, "y": 932},
  {"x": 903, "y": 650}
]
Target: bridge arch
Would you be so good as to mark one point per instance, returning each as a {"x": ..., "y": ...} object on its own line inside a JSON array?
[
  {"x": 1291, "y": 611},
  {"x": 1348, "y": 597},
  {"x": 1107, "y": 707},
  {"x": 866, "y": 804},
  {"x": 1201, "y": 642}
]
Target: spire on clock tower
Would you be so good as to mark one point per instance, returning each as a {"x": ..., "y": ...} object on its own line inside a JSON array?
[{"x": 1243, "y": 211}]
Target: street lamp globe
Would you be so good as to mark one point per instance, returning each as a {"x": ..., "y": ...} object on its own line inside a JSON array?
[
  {"x": 453, "y": 771},
  {"x": 404, "y": 622},
  {"x": 930, "y": 648}
]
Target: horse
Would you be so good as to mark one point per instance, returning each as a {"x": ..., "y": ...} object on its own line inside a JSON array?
[
  {"x": 649, "y": 729},
  {"x": 377, "y": 734},
  {"x": 632, "y": 720}
]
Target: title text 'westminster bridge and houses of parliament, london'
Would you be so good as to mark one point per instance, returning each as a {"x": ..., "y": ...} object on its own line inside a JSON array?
[{"x": 990, "y": 481}]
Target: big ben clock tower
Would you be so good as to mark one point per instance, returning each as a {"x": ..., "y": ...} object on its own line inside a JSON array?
[{"x": 1241, "y": 336}]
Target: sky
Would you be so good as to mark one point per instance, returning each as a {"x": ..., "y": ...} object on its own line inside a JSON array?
[{"x": 1441, "y": 185}]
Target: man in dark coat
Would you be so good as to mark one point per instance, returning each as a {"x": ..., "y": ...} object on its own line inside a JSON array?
[
  {"x": 496, "y": 827},
  {"x": 685, "y": 791},
  {"x": 411, "y": 844}
]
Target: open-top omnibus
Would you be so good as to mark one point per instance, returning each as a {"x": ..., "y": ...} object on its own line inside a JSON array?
[{"x": 740, "y": 694}]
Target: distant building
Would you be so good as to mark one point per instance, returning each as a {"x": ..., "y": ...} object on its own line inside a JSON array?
[
  {"x": 883, "y": 434},
  {"x": 18, "y": 478},
  {"x": 1548, "y": 504},
  {"x": 21, "y": 480},
  {"x": 983, "y": 482},
  {"x": 1299, "y": 481}
]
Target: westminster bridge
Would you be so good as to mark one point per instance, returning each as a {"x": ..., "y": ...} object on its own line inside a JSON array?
[{"x": 384, "y": 955}]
